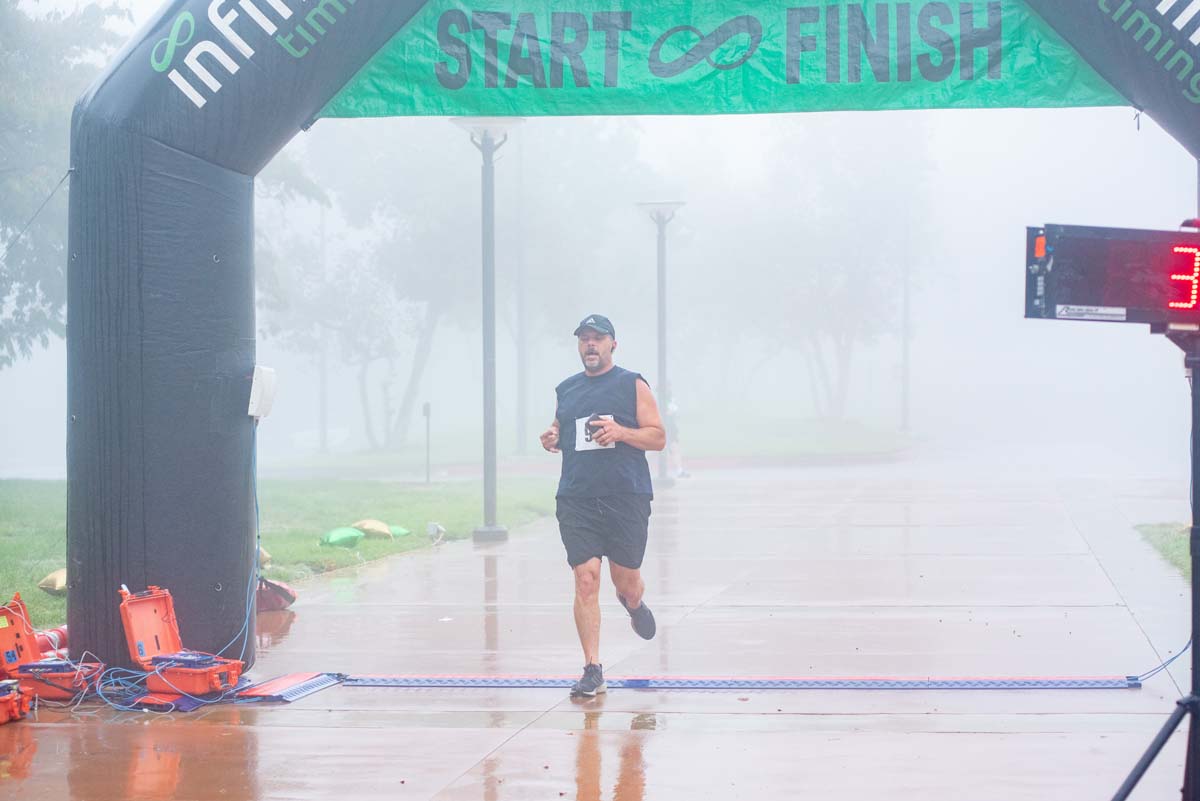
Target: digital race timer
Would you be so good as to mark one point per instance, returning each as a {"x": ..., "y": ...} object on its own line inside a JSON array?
[
  {"x": 1121, "y": 275},
  {"x": 1126, "y": 275}
]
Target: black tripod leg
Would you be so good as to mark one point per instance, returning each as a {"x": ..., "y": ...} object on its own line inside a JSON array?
[
  {"x": 1190, "y": 344},
  {"x": 1191, "y": 770},
  {"x": 1164, "y": 734}
]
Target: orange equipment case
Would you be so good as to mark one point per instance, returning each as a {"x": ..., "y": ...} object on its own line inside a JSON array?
[
  {"x": 18, "y": 640},
  {"x": 59, "y": 680},
  {"x": 20, "y": 658},
  {"x": 14, "y": 704},
  {"x": 152, "y": 633}
]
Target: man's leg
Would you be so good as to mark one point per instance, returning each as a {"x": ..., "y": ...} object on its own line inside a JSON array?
[
  {"x": 576, "y": 524},
  {"x": 629, "y": 584},
  {"x": 630, "y": 589},
  {"x": 628, "y": 518},
  {"x": 587, "y": 609}
]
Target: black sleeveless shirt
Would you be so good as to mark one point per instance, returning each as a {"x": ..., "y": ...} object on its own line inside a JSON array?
[{"x": 590, "y": 470}]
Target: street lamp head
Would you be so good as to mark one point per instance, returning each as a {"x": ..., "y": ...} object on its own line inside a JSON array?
[
  {"x": 662, "y": 210},
  {"x": 494, "y": 128}
]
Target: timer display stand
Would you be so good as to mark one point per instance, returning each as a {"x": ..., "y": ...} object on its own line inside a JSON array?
[
  {"x": 1134, "y": 276},
  {"x": 1189, "y": 705}
]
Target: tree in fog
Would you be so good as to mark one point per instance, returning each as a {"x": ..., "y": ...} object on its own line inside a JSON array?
[
  {"x": 375, "y": 280},
  {"x": 809, "y": 253},
  {"x": 287, "y": 254},
  {"x": 388, "y": 286},
  {"x": 835, "y": 304},
  {"x": 412, "y": 200},
  {"x": 426, "y": 261},
  {"x": 370, "y": 326},
  {"x": 46, "y": 62},
  {"x": 327, "y": 288},
  {"x": 569, "y": 239}
]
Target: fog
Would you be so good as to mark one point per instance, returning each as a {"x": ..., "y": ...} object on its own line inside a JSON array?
[
  {"x": 888, "y": 483},
  {"x": 798, "y": 236}
]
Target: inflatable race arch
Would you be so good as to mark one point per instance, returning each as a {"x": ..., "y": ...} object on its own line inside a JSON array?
[{"x": 166, "y": 145}]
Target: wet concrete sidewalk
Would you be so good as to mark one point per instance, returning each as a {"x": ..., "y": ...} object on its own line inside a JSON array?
[{"x": 763, "y": 573}]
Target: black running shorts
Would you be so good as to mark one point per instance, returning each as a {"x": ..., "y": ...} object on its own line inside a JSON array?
[{"x": 614, "y": 526}]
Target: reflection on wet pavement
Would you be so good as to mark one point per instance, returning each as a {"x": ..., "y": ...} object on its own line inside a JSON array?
[
  {"x": 17, "y": 753},
  {"x": 630, "y": 784},
  {"x": 759, "y": 574},
  {"x": 158, "y": 761},
  {"x": 272, "y": 628}
]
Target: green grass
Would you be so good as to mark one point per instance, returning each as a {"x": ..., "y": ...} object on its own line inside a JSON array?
[
  {"x": 33, "y": 543},
  {"x": 294, "y": 516},
  {"x": 1171, "y": 540},
  {"x": 296, "y": 513}
]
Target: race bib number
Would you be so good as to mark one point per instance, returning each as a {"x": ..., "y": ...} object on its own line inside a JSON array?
[{"x": 583, "y": 435}]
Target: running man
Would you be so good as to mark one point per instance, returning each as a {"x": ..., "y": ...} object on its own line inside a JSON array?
[{"x": 605, "y": 422}]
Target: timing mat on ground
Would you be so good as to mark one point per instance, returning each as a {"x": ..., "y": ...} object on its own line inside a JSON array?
[{"x": 756, "y": 683}]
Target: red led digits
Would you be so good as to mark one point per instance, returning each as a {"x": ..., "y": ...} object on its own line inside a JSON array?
[{"x": 1193, "y": 278}]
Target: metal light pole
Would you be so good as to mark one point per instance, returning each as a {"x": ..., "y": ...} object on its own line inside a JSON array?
[
  {"x": 427, "y": 411},
  {"x": 489, "y": 134},
  {"x": 322, "y": 357},
  {"x": 906, "y": 338},
  {"x": 522, "y": 340},
  {"x": 662, "y": 212}
]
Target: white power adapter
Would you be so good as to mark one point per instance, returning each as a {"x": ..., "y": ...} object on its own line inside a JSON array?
[{"x": 262, "y": 392}]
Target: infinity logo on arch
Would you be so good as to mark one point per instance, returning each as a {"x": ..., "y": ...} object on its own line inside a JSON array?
[
  {"x": 703, "y": 50},
  {"x": 161, "y": 62}
]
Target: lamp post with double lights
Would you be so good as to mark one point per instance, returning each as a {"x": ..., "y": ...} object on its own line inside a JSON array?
[
  {"x": 662, "y": 212},
  {"x": 489, "y": 134}
]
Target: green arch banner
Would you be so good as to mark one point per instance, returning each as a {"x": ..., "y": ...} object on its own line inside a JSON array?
[{"x": 536, "y": 57}]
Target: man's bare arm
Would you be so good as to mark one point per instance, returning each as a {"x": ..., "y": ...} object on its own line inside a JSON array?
[
  {"x": 549, "y": 437},
  {"x": 650, "y": 435}
]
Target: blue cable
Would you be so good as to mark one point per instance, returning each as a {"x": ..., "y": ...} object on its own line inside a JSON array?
[
  {"x": 1166, "y": 664},
  {"x": 253, "y": 583},
  {"x": 219, "y": 699},
  {"x": 122, "y": 682},
  {"x": 119, "y": 688}
]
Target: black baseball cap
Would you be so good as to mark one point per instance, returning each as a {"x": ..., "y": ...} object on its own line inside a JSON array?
[{"x": 597, "y": 322}]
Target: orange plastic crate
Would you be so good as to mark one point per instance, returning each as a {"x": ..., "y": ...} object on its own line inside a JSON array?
[
  {"x": 14, "y": 704},
  {"x": 18, "y": 640},
  {"x": 152, "y": 630},
  {"x": 57, "y": 684},
  {"x": 222, "y": 676}
]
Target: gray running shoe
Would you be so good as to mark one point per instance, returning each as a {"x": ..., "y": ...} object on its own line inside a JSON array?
[
  {"x": 641, "y": 619},
  {"x": 592, "y": 682}
]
